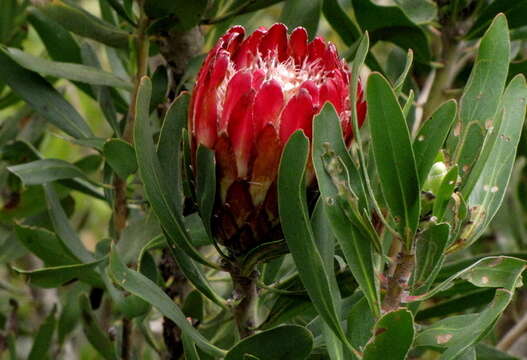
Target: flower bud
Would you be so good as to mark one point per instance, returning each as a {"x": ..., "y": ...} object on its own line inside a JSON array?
[{"x": 251, "y": 94}]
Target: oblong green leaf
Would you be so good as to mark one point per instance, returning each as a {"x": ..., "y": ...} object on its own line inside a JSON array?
[
  {"x": 169, "y": 147},
  {"x": 95, "y": 335},
  {"x": 513, "y": 9},
  {"x": 481, "y": 96},
  {"x": 45, "y": 245},
  {"x": 43, "y": 338},
  {"x": 393, "y": 153},
  {"x": 155, "y": 182},
  {"x": 43, "y": 98},
  {"x": 355, "y": 242},
  {"x": 298, "y": 232},
  {"x": 140, "y": 285},
  {"x": 121, "y": 157},
  {"x": 270, "y": 344},
  {"x": 432, "y": 136},
  {"x": 82, "y": 23},
  {"x": 52, "y": 277},
  {"x": 70, "y": 71},
  {"x": 301, "y": 13},
  {"x": 487, "y": 184},
  {"x": 63, "y": 228},
  {"x": 393, "y": 334},
  {"x": 46, "y": 170},
  {"x": 492, "y": 271}
]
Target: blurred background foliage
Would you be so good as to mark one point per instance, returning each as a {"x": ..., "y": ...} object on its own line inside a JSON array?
[{"x": 443, "y": 34}]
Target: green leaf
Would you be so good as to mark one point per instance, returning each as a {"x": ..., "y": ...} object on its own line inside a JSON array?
[
  {"x": 144, "y": 288},
  {"x": 514, "y": 10},
  {"x": 301, "y": 13},
  {"x": 51, "y": 277},
  {"x": 481, "y": 96},
  {"x": 395, "y": 27},
  {"x": 419, "y": 11},
  {"x": 46, "y": 170},
  {"x": 355, "y": 235},
  {"x": 432, "y": 136},
  {"x": 492, "y": 271},
  {"x": 45, "y": 245},
  {"x": 70, "y": 313},
  {"x": 189, "y": 12},
  {"x": 121, "y": 157},
  {"x": 65, "y": 70},
  {"x": 394, "y": 157},
  {"x": 206, "y": 184},
  {"x": 82, "y": 23},
  {"x": 393, "y": 334},
  {"x": 398, "y": 86},
  {"x": 325, "y": 242},
  {"x": 429, "y": 256},
  {"x": 456, "y": 334},
  {"x": 43, "y": 98},
  {"x": 347, "y": 29},
  {"x": 59, "y": 43},
  {"x": 63, "y": 228},
  {"x": 156, "y": 184},
  {"x": 270, "y": 344},
  {"x": 170, "y": 144},
  {"x": 360, "y": 324},
  {"x": 43, "y": 338},
  {"x": 95, "y": 335},
  {"x": 486, "y": 192},
  {"x": 487, "y": 352},
  {"x": 189, "y": 348},
  {"x": 464, "y": 300},
  {"x": 444, "y": 194},
  {"x": 102, "y": 94},
  {"x": 298, "y": 232},
  {"x": 136, "y": 235}
]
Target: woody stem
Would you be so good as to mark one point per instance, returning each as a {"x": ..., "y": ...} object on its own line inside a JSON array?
[{"x": 398, "y": 282}]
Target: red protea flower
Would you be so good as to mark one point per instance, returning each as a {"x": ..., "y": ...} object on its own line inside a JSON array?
[{"x": 250, "y": 96}]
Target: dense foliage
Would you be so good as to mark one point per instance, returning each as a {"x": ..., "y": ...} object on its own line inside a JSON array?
[{"x": 133, "y": 224}]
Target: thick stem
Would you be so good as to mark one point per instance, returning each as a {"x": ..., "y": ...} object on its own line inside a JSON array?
[
  {"x": 398, "y": 282},
  {"x": 246, "y": 293}
]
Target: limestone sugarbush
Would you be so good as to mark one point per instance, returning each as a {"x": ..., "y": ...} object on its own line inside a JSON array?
[
  {"x": 185, "y": 189},
  {"x": 251, "y": 94}
]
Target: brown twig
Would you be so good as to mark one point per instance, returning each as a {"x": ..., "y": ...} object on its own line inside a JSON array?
[{"x": 398, "y": 282}]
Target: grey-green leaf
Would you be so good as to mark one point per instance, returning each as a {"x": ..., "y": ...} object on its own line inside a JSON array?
[
  {"x": 270, "y": 344},
  {"x": 59, "y": 275},
  {"x": 46, "y": 170},
  {"x": 487, "y": 184},
  {"x": 298, "y": 232},
  {"x": 65, "y": 70},
  {"x": 82, "y": 23},
  {"x": 121, "y": 157},
  {"x": 95, "y": 335},
  {"x": 47, "y": 101},
  {"x": 432, "y": 136},
  {"x": 393, "y": 334},
  {"x": 393, "y": 153},
  {"x": 481, "y": 97},
  {"x": 140, "y": 285}
]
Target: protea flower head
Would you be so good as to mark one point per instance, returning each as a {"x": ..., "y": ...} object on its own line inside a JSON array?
[{"x": 251, "y": 94}]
